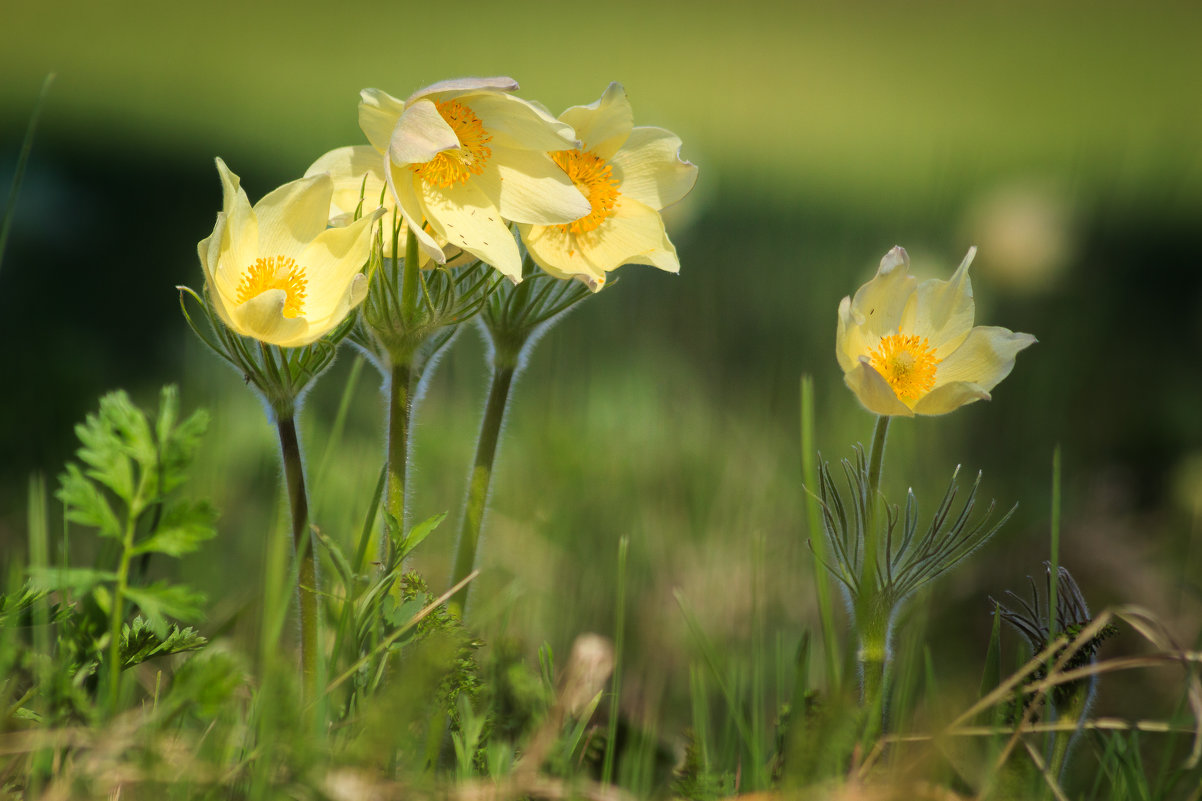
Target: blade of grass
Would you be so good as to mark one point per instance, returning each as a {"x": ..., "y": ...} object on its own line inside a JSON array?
[
  {"x": 22, "y": 159},
  {"x": 759, "y": 759},
  {"x": 611, "y": 740},
  {"x": 817, "y": 534},
  {"x": 395, "y": 635},
  {"x": 711, "y": 661},
  {"x": 701, "y": 715},
  {"x": 344, "y": 405}
]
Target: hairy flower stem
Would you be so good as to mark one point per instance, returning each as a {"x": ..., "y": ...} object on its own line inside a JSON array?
[
  {"x": 872, "y": 609},
  {"x": 400, "y": 399},
  {"x": 302, "y": 540},
  {"x": 400, "y": 409},
  {"x": 504, "y": 369},
  {"x": 873, "y": 656},
  {"x": 1073, "y": 707}
]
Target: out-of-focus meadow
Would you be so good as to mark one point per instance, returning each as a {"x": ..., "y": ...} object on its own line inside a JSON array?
[{"x": 1064, "y": 140}]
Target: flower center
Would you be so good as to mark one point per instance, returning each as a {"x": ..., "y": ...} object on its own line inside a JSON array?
[
  {"x": 452, "y": 167},
  {"x": 593, "y": 176},
  {"x": 275, "y": 272},
  {"x": 907, "y": 363}
]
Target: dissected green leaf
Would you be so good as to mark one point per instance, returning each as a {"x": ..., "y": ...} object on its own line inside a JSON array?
[
  {"x": 177, "y": 443},
  {"x": 77, "y": 580},
  {"x": 184, "y": 527},
  {"x": 116, "y": 439},
  {"x": 168, "y": 412},
  {"x": 13, "y": 604},
  {"x": 161, "y": 600},
  {"x": 139, "y": 642},
  {"x": 129, "y": 424},
  {"x": 86, "y": 504}
]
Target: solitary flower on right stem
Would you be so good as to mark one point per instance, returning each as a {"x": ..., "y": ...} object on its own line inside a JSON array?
[{"x": 910, "y": 348}]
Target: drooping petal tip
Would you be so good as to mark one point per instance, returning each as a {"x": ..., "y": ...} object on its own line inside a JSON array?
[{"x": 896, "y": 257}]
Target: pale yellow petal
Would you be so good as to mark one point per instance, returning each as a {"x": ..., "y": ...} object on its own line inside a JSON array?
[
  {"x": 877, "y": 306},
  {"x": 874, "y": 391},
  {"x": 664, "y": 258},
  {"x": 209, "y": 251},
  {"x": 984, "y": 358},
  {"x": 262, "y": 317},
  {"x": 516, "y": 123},
  {"x": 420, "y": 134},
  {"x": 649, "y": 168},
  {"x": 293, "y": 214},
  {"x": 555, "y": 250},
  {"x": 458, "y": 86},
  {"x": 943, "y": 311},
  {"x": 531, "y": 188},
  {"x": 850, "y": 343},
  {"x": 603, "y": 125},
  {"x": 331, "y": 262},
  {"x": 209, "y": 248},
  {"x": 358, "y": 175},
  {"x": 378, "y": 115},
  {"x": 949, "y": 397},
  {"x": 348, "y": 299},
  {"x": 233, "y": 258},
  {"x": 239, "y": 243},
  {"x": 631, "y": 235},
  {"x": 404, "y": 185},
  {"x": 466, "y": 218}
]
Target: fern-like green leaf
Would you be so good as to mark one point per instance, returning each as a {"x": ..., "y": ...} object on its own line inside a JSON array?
[
  {"x": 184, "y": 528},
  {"x": 76, "y": 580},
  {"x": 86, "y": 504},
  {"x": 139, "y": 642},
  {"x": 161, "y": 600}
]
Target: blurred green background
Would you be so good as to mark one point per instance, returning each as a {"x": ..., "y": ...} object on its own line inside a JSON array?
[{"x": 1061, "y": 138}]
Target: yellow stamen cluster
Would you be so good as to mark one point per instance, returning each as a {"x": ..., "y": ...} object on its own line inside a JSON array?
[
  {"x": 593, "y": 176},
  {"x": 452, "y": 167},
  {"x": 275, "y": 272},
  {"x": 907, "y": 362}
]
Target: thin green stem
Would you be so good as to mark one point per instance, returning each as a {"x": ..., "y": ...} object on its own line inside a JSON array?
[
  {"x": 302, "y": 540},
  {"x": 872, "y": 608},
  {"x": 400, "y": 408},
  {"x": 410, "y": 279},
  {"x": 117, "y": 612},
  {"x": 481, "y": 480},
  {"x": 876, "y": 456}
]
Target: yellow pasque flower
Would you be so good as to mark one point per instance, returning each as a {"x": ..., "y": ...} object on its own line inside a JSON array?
[
  {"x": 629, "y": 174},
  {"x": 466, "y": 156},
  {"x": 275, "y": 272},
  {"x": 911, "y": 348}
]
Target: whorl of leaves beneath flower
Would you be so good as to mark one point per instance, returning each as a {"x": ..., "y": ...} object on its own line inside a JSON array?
[{"x": 909, "y": 555}]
